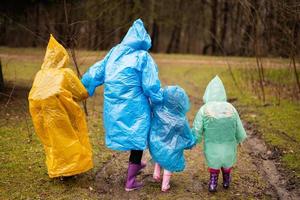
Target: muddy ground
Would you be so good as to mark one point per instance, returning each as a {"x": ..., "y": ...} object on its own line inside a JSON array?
[{"x": 254, "y": 176}]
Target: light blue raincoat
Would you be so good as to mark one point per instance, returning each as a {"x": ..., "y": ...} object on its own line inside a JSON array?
[
  {"x": 170, "y": 132},
  {"x": 131, "y": 82},
  {"x": 220, "y": 125}
]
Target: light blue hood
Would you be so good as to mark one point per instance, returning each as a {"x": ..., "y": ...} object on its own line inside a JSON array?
[
  {"x": 176, "y": 100},
  {"x": 137, "y": 37}
]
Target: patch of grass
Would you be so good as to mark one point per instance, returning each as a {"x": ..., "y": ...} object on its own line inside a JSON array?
[
  {"x": 23, "y": 169},
  {"x": 279, "y": 126}
]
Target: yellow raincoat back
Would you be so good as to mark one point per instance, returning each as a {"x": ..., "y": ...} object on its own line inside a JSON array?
[{"x": 58, "y": 119}]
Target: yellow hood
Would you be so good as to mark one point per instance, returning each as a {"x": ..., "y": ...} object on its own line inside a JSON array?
[{"x": 56, "y": 55}]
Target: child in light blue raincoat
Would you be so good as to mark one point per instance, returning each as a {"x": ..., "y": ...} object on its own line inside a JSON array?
[
  {"x": 170, "y": 134},
  {"x": 219, "y": 124}
]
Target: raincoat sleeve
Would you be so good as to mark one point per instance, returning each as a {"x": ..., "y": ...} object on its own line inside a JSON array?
[
  {"x": 240, "y": 131},
  {"x": 73, "y": 85},
  {"x": 150, "y": 81},
  {"x": 197, "y": 129},
  {"x": 192, "y": 141},
  {"x": 95, "y": 75}
]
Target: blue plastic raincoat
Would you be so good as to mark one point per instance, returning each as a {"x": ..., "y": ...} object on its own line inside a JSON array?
[
  {"x": 220, "y": 125},
  {"x": 170, "y": 132},
  {"x": 131, "y": 82}
]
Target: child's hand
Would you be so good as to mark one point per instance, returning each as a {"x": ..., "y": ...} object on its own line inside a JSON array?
[{"x": 193, "y": 147}]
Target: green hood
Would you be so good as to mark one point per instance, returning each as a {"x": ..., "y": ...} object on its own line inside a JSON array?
[{"x": 215, "y": 91}]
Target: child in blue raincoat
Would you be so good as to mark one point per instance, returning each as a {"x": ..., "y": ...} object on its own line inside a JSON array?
[
  {"x": 170, "y": 134},
  {"x": 219, "y": 124},
  {"x": 131, "y": 82}
]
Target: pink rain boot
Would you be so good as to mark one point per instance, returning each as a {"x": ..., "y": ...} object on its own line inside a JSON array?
[
  {"x": 156, "y": 173},
  {"x": 131, "y": 183},
  {"x": 165, "y": 186}
]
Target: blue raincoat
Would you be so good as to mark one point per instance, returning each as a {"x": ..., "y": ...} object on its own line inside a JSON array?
[
  {"x": 220, "y": 125},
  {"x": 131, "y": 82},
  {"x": 170, "y": 133}
]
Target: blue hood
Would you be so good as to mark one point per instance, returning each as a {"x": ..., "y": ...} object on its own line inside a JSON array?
[
  {"x": 176, "y": 99},
  {"x": 137, "y": 37}
]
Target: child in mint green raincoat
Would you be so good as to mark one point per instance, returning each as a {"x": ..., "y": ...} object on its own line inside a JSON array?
[{"x": 220, "y": 125}]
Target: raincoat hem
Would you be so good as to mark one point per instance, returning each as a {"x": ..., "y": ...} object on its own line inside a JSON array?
[{"x": 75, "y": 172}]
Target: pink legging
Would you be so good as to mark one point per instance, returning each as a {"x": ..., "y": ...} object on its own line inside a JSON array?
[{"x": 226, "y": 170}]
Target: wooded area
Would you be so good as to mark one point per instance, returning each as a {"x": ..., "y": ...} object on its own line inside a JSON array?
[{"x": 215, "y": 27}]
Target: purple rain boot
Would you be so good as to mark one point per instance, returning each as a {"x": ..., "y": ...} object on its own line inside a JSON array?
[
  {"x": 131, "y": 183},
  {"x": 226, "y": 177},
  {"x": 141, "y": 166},
  {"x": 213, "y": 182}
]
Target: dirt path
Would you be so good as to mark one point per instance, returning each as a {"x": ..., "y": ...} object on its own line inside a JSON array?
[
  {"x": 265, "y": 162},
  {"x": 255, "y": 176}
]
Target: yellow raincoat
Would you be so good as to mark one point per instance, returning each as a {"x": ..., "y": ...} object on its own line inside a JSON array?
[{"x": 58, "y": 120}]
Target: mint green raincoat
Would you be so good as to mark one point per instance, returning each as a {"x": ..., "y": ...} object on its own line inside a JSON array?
[{"x": 220, "y": 125}]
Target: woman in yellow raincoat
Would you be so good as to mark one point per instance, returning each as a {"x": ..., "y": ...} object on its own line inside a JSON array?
[{"x": 58, "y": 119}]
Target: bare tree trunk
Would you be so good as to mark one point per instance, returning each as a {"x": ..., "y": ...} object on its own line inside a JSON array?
[
  {"x": 213, "y": 26},
  {"x": 294, "y": 51},
  {"x": 37, "y": 22},
  {"x": 174, "y": 42},
  {"x": 235, "y": 37},
  {"x": 71, "y": 46},
  {"x": 90, "y": 40},
  {"x": 155, "y": 36},
  {"x": 296, "y": 73},
  {"x": 170, "y": 45},
  {"x": 1, "y": 78},
  {"x": 261, "y": 77},
  {"x": 250, "y": 30},
  {"x": 177, "y": 39},
  {"x": 189, "y": 40},
  {"x": 225, "y": 22},
  {"x": 96, "y": 35}
]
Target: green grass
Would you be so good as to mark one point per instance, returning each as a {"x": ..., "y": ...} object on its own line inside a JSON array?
[
  {"x": 22, "y": 166},
  {"x": 280, "y": 126},
  {"x": 23, "y": 169}
]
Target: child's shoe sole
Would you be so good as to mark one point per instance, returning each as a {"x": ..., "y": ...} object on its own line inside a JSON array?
[
  {"x": 131, "y": 189},
  {"x": 165, "y": 189}
]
